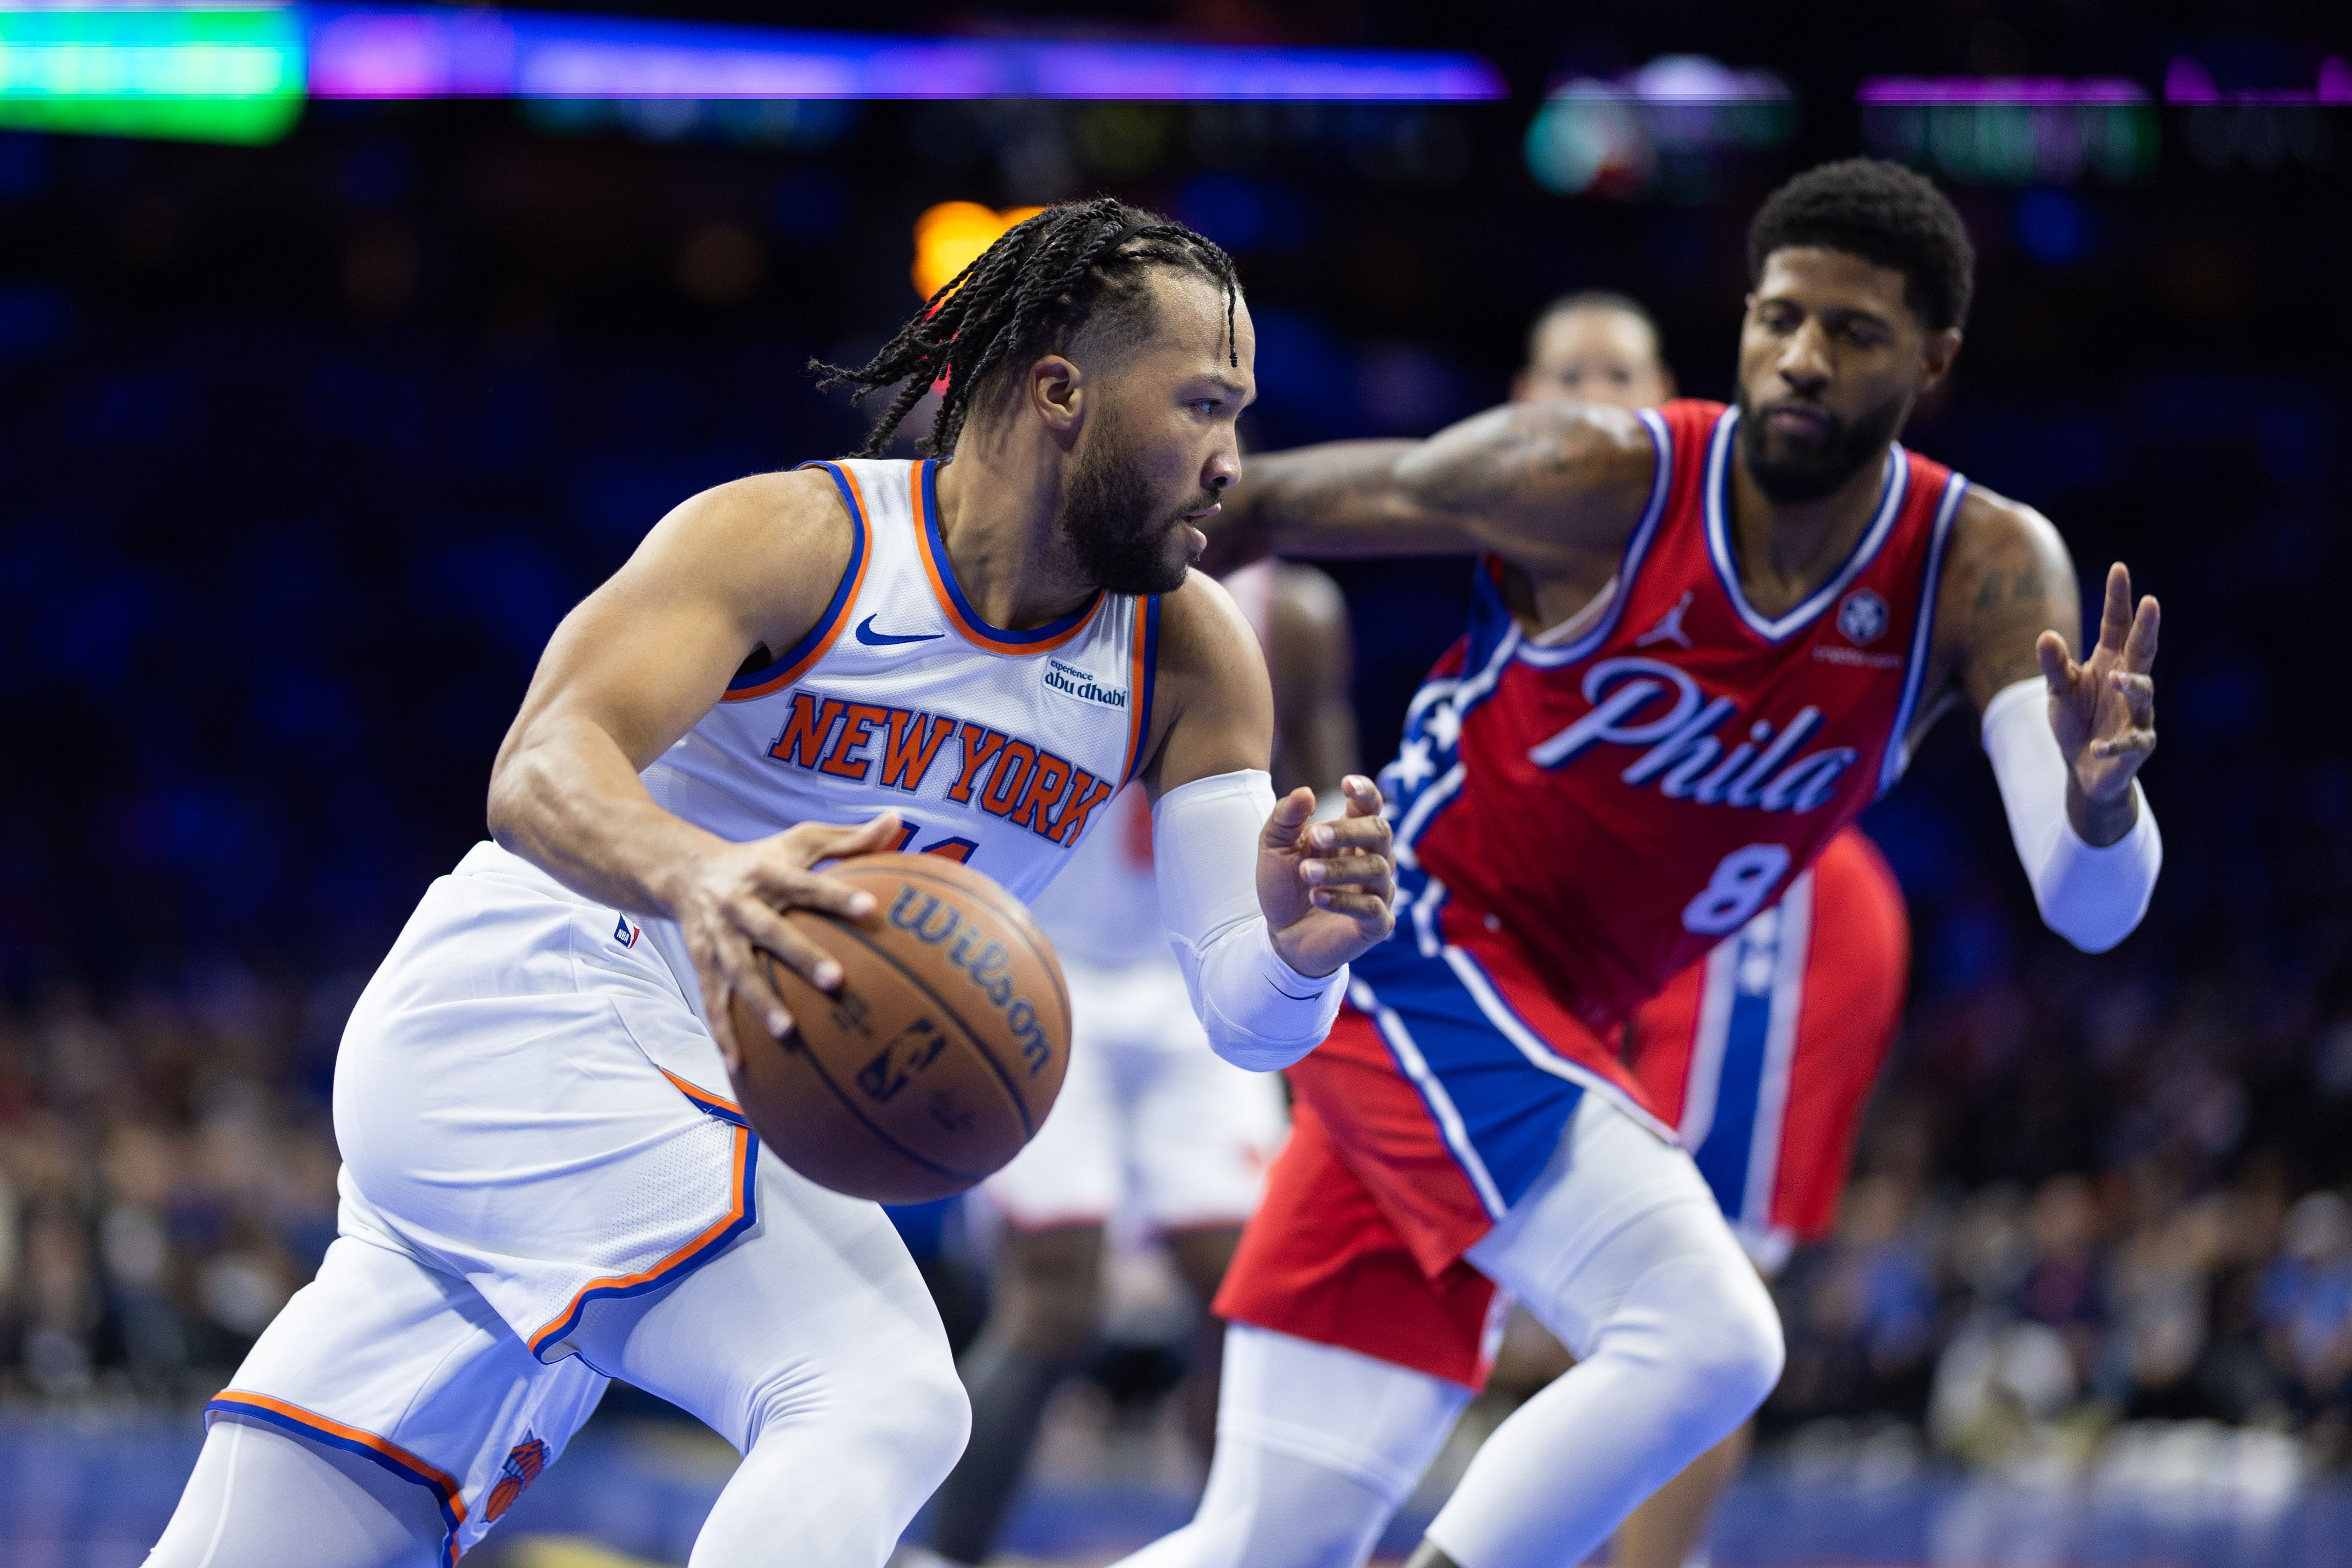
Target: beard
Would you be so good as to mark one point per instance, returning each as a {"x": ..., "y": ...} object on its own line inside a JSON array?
[
  {"x": 1114, "y": 523},
  {"x": 1790, "y": 469}
]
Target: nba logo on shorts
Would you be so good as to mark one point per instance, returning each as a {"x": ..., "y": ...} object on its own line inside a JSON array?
[
  {"x": 522, "y": 1468},
  {"x": 1862, "y": 616}
]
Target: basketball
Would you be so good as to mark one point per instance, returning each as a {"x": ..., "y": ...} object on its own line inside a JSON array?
[{"x": 938, "y": 1057}]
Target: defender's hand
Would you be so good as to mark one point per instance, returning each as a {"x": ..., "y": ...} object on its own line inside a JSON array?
[
  {"x": 2103, "y": 710},
  {"x": 1329, "y": 890},
  {"x": 730, "y": 911}
]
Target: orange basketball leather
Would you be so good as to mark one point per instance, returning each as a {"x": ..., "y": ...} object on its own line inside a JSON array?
[{"x": 939, "y": 1056}]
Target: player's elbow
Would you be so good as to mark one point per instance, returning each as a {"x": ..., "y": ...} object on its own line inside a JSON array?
[{"x": 2092, "y": 929}]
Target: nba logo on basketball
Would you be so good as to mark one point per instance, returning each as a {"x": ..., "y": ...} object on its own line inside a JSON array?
[
  {"x": 1862, "y": 616},
  {"x": 522, "y": 1468}
]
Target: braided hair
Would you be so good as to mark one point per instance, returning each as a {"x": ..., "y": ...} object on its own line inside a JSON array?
[{"x": 1073, "y": 265}]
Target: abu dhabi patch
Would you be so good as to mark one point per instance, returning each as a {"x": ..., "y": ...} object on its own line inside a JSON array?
[{"x": 1071, "y": 681}]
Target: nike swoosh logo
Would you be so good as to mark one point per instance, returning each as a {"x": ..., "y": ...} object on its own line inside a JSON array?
[{"x": 871, "y": 638}]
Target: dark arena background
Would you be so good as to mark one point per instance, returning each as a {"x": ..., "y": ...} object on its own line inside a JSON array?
[{"x": 341, "y": 351}]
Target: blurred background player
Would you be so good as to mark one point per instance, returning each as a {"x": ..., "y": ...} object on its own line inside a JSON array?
[
  {"x": 1152, "y": 1130},
  {"x": 1763, "y": 1055}
]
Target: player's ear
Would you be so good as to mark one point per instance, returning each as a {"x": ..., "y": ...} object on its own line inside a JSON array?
[
  {"x": 1057, "y": 395},
  {"x": 1935, "y": 356}
]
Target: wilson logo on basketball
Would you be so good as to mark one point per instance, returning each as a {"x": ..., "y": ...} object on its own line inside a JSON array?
[
  {"x": 986, "y": 964},
  {"x": 522, "y": 1468}
]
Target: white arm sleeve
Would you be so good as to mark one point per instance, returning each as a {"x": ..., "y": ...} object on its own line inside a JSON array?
[
  {"x": 1260, "y": 1013},
  {"x": 2091, "y": 897}
]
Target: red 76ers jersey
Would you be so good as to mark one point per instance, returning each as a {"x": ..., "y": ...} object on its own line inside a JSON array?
[{"x": 1619, "y": 800}]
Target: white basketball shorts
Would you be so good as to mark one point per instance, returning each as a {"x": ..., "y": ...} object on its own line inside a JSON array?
[
  {"x": 1151, "y": 1126},
  {"x": 532, "y": 1121}
]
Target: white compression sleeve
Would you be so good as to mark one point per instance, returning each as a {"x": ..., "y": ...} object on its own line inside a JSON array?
[
  {"x": 2092, "y": 897},
  {"x": 1260, "y": 1013}
]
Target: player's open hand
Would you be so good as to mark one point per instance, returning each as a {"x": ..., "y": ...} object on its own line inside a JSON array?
[
  {"x": 1329, "y": 888},
  {"x": 2103, "y": 709},
  {"x": 731, "y": 912}
]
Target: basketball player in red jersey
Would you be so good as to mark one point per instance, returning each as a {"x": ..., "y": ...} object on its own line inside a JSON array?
[
  {"x": 1703, "y": 639},
  {"x": 1762, "y": 1055}
]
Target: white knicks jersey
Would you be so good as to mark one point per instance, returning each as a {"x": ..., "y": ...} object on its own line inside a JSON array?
[
  {"x": 1106, "y": 911},
  {"x": 999, "y": 748}
]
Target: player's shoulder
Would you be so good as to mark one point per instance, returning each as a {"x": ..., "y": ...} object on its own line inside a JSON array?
[
  {"x": 794, "y": 508},
  {"x": 1202, "y": 628},
  {"x": 1992, "y": 532}
]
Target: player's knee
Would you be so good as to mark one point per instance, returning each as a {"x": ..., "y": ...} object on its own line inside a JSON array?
[{"x": 1725, "y": 1340}]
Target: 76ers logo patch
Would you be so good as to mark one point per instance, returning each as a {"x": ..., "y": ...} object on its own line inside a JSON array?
[
  {"x": 1862, "y": 617},
  {"x": 522, "y": 1468}
]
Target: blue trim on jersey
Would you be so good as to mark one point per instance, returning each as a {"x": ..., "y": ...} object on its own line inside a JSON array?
[
  {"x": 837, "y": 607},
  {"x": 1150, "y": 682},
  {"x": 1628, "y": 565},
  {"x": 1724, "y": 1156},
  {"x": 955, "y": 591},
  {"x": 1478, "y": 1083},
  {"x": 1897, "y": 756},
  {"x": 1717, "y": 486}
]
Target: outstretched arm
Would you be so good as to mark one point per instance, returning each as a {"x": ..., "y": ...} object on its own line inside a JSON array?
[
  {"x": 2066, "y": 737},
  {"x": 1539, "y": 483}
]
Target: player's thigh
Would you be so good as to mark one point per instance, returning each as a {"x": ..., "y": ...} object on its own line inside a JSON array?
[
  {"x": 1614, "y": 1202},
  {"x": 383, "y": 1362},
  {"x": 816, "y": 1316}
]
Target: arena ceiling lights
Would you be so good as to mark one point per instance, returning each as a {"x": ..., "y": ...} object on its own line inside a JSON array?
[{"x": 240, "y": 73}]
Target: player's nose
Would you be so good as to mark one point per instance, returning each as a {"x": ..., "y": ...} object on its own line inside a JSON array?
[
  {"x": 1223, "y": 468},
  {"x": 1805, "y": 358}
]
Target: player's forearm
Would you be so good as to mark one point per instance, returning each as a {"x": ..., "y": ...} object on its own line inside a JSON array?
[
  {"x": 1338, "y": 499},
  {"x": 564, "y": 797}
]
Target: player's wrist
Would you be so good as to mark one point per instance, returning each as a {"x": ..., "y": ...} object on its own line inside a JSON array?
[{"x": 2100, "y": 823}]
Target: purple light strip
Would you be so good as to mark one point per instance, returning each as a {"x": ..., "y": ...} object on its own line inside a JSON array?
[
  {"x": 2186, "y": 81},
  {"x": 2099, "y": 92},
  {"x": 366, "y": 53}
]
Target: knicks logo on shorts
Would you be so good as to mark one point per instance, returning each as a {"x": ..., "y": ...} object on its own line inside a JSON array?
[{"x": 522, "y": 1468}]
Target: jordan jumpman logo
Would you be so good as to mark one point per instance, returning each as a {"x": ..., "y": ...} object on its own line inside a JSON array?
[{"x": 1670, "y": 624}]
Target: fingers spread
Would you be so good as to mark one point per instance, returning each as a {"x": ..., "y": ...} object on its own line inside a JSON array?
[
  {"x": 2130, "y": 743},
  {"x": 1290, "y": 816},
  {"x": 790, "y": 886},
  {"x": 1368, "y": 870},
  {"x": 2115, "y": 613},
  {"x": 2139, "y": 648},
  {"x": 2057, "y": 664},
  {"x": 815, "y": 841},
  {"x": 770, "y": 932},
  {"x": 2138, "y": 694},
  {"x": 1353, "y": 832}
]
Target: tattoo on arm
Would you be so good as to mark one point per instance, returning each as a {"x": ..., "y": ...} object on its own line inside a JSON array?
[{"x": 2012, "y": 581}]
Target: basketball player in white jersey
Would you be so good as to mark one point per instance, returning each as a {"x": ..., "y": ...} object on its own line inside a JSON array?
[
  {"x": 546, "y": 1183},
  {"x": 1150, "y": 1128}
]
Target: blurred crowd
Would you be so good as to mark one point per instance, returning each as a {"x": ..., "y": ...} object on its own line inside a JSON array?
[
  {"x": 167, "y": 1179},
  {"x": 2187, "y": 1270}
]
